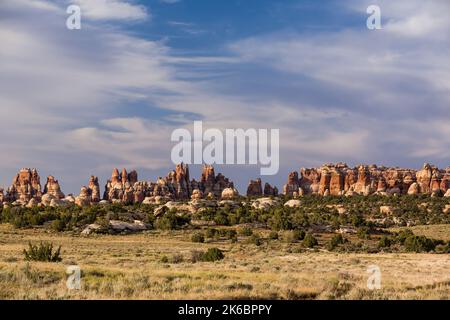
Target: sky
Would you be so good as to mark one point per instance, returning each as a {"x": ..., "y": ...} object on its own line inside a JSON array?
[{"x": 80, "y": 102}]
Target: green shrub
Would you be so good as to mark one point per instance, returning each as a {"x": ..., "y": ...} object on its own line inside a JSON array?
[
  {"x": 42, "y": 252},
  {"x": 176, "y": 258},
  {"x": 298, "y": 235},
  {"x": 221, "y": 219},
  {"x": 310, "y": 241},
  {"x": 295, "y": 236},
  {"x": 198, "y": 237},
  {"x": 255, "y": 239},
  {"x": 58, "y": 225},
  {"x": 170, "y": 221},
  {"x": 403, "y": 234},
  {"x": 246, "y": 231},
  {"x": 196, "y": 255},
  {"x": 213, "y": 254},
  {"x": 336, "y": 241},
  {"x": 363, "y": 233},
  {"x": 231, "y": 234},
  {"x": 211, "y": 232},
  {"x": 384, "y": 242},
  {"x": 280, "y": 221},
  {"x": 273, "y": 235},
  {"x": 419, "y": 244}
]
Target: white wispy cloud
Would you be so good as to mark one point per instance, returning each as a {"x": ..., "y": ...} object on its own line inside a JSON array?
[
  {"x": 112, "y": 10},
  {"x": 88, "y": 99}
]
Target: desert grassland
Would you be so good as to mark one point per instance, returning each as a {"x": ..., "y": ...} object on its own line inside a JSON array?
[
  {"x": 130, "y": 267},
  {"x": 438, "y": 231}
]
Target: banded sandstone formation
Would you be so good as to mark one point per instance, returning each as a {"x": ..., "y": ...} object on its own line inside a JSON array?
[{"x": 340, "y": 179}]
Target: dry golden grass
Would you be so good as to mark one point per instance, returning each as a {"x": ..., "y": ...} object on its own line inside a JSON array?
[
  {"x": 438, "y": 231},
  {"x": 130, "y": 267}
]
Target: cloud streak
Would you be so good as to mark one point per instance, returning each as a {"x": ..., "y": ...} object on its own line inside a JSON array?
[{"x": 86, "y": 101}]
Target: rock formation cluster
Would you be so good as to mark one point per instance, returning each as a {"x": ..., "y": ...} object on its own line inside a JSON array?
[
  {"x": 26, "y": 185},
  {"x": 329, "y": 179},
  {"x": 255, "y": 189},
  {"x": 339, "y": 179},
  {"x": 123, "y": 187},
  {"x": 177, "y": 185}
]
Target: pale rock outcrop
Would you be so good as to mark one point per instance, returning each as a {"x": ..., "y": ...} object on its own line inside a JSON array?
[
  {"x": 47, "y": 199},
  {"x": 115, "y": 226},
  {"x": 196, "y": 194},
  {"x": 386, "y": 210},
  {"x": 264, "y": 203},
  {"x": 446, "y": 208},
  {"x": 229, "y": 194},
  {"x": 148, "y": 200},
  {"x": 414, "y": 189},
  {"x": 32, "y": 203},
  {"x": 293, "y": 203},
  {"x": 447, "y": 194},
  {"x": 70, "y": 198},
  {"x": 56, "y": 203}
]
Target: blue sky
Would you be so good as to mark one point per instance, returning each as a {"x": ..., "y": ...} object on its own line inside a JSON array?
[{"x": 80, "y": 102}]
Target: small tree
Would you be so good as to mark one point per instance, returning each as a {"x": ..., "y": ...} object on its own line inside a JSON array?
[
  {"x": 273, "y": 235},
  {"x": 213, "y": 254},
  {"x": 42, "y": 252},
  {"x": 310, "y": 241},
  {"x": 246, "y": 231},
  {"x": 198, "y": 237},
  {"x": 255, "y": 239},
  {"x": 336, "y": 241},
  {"x": 385, "y": 242}
]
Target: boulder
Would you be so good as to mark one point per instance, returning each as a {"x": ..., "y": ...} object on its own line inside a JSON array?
[
  {"x": 264, "y": 203},
  {"x": 446, "y": 208},
  {"x": 47, "y": 198},
  {"x": 414, "y": 189},
  {"x": 196, "y": 194},
  {"x": 121, "y": 226},
  {"x": 386, "y": 210},
  {"x": 70, "y": 198},
  {"x": 93, "y": 228},
  {"x": 32, "y": 203},
  {"x": 55, "y": 203},
  {"x": 229, "y": 194},
  {"x": 293, "y": 203}
]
